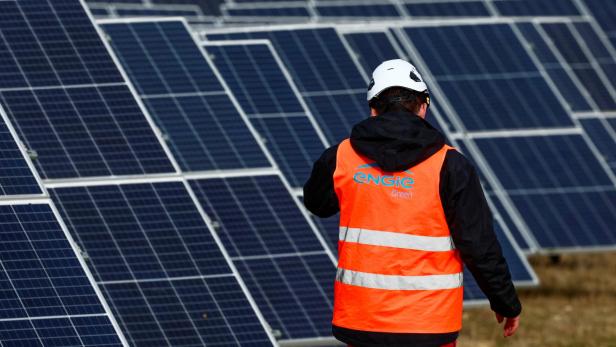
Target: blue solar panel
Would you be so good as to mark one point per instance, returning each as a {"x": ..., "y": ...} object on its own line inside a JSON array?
[
  {"x": 566, "y": 197},
  {"x": 503, "y": 81},
  {"x": 326, "y": 75},
  {"x": 47, "y": 297},
  {"x": 603, "y": 12},
  {"x": 16, "y": 178},
  {"x": 162, "y": 272},
  {"x": 286, "y": 11},
  {"x": 448, "y": 9},
  {"x": 574, "y": 94},
  {"x": 156, "y": 12},
  {"x": 372, "y": 48},
  {"x": 574, "y": 54},
  {"x": 286, "y": 268},
  {"x": 77, "y": 126},
  {"x": 267, "y": 97},
  {"x": 602, "y": 132},
  {"x": 183, "y": 94},
  {"x": 536, "y": 7},
  {"x": 357, "y": 10}
]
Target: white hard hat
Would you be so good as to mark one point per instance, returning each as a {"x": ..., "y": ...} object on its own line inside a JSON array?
[{"x": 395, "y": 73}]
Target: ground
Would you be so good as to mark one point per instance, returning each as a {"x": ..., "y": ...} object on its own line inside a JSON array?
[{"x": 575, "y": 306}]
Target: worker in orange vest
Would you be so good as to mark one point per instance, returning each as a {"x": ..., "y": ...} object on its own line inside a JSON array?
[{"x": 412, "y": 212}]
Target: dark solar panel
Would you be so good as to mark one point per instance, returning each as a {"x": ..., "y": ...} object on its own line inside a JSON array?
[
  {"x": 576, "y": 53},
  {"x": 286, "y": 268},
  {"x": 503, "y": 81},
  {"x": 536, "y": 7},
  {"x": 573, "y": 92},
  {"x": 288, "y": 11},
  {"x": 66, "y": 97},
  {"x": 603, "y": 12},
  {"x": 566, "y": 197},
  {"x": 448, "y": 9},
  {"x": 357, "y": 10},
  {"x": 16, "y": 178},
  {"x": 188, "y": 102},
  {"x": 602, "y": 132},
  {"x": 163, "y": 274},
  {"x": 326, "y": 75},
  {"x": 272, "y": 105},
  {"x": 47, "y": 297}
]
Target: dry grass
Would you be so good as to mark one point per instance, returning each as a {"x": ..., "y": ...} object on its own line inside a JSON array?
[{"x": 575, "y": 306}]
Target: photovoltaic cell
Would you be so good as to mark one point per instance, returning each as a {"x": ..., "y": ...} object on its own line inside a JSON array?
[
  {"x": 293, "y": 12},
  {"x": 47, "y": 297},
  {"x": 272, "y": 106},
  {"x": 602, "y": 132},
  {"x": 159, "y": 266},
  {"x": 448, "y": 9},
  {"x": 574, "y": 54},
  {"x": 495, "y": 78},
  {"x": 16, "y": 178},
  {"x": 188, "y": 102},
  {"x": 574, "y": 94},
  {"x": 284, "y": 265},
  {"x": 536, "y": 7},
  {"x": 566, "y": 197},
  {"x": 208, "y": 7},
  {"x": 357, "y": 10},
  {"x": 325, "y": 73},
  {"x": 372, "y": 48},
  {"x": 603, "y": 12},
  {"x": 66, "y": 97}
]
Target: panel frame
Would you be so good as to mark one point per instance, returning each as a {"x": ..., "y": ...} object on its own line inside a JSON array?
[{"x": 24, "y": 154}]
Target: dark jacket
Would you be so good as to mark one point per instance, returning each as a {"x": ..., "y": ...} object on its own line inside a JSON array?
[{"x": 398, "y": 141}]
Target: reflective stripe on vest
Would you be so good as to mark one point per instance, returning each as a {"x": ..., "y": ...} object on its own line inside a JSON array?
[{"x": 398, "y": 269}]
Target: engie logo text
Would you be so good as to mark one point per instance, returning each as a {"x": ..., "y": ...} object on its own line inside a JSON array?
[{"x": 404, "y": 182}]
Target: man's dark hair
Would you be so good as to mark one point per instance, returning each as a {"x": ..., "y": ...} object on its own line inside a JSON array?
[{"x": 397, "y": 99}]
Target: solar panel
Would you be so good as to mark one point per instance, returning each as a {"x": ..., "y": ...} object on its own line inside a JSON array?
[
  {"x": 536, "y": 7},
  {"x": 270, "y": 100},
  {"x": 350, "y": 9},
  {"x": 566, "y": 196},
  {"x": 47, "y": 297},
  {"x": 66, "y": 97},
  {"x": 16, "y": 175},
  {"x": 291, "y": 12},
  {"x": 326, "y": 74},
  {"x": 159, "y": 266},
  {"x": 179, "y": 10},
  {"x": 448, "y": 9},
  {"x": 504, "y": 81},
  {"x": 587, "y": 58},
  {"x": 603, "y": 12},
  {"x": 185, "y": 96},
  {"x": 208, "y": 7},
  {"x": 286, "y": 267},
  {"x": 602, "y": 132}
]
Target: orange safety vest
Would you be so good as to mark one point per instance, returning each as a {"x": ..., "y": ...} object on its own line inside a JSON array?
[{"x": 398, "y": 270}]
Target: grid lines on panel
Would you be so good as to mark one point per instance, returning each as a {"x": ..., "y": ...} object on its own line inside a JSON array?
[
  {"x": 269, "y": 240},
  {"x": 488, "y": 63},
  {"x": 180, "y": 89},
  {"x": 16, "y": 178},
  {"x": 267, "y": 98},
  {"x": 324, "y": 71},
  {"x": 159, "y": 267},
  {"x": 47, "y": 298},
  {"x": 58, "y": 79}
]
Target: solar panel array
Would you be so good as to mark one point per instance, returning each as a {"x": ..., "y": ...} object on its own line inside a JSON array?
[
  {"x": 48, "y": 296},
  {"x": 267, "y": 236},
  {"x": 181, "y": 188}
]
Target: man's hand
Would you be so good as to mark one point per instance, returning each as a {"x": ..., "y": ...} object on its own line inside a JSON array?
[{"x": 511, "y": 324}]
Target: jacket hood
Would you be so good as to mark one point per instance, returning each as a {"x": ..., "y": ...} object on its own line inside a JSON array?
[{"x": 396, "y": 140}]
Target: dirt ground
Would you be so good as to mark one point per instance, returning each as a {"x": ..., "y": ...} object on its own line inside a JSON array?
[{"x": 574, "y": 306}]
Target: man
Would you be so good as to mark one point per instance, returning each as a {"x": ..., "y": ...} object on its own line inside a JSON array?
[{"x": 411, "y": 212}]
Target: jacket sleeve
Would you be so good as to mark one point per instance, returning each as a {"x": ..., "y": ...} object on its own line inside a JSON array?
[
  {"x": 470, "y": 223},
  {"x": 319, "y": 194}
]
